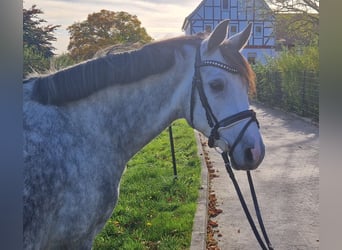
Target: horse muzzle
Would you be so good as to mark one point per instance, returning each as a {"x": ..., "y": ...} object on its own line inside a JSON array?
[
  {"x": 247, "y": 157},
  {"x": 246, "y": 153}
]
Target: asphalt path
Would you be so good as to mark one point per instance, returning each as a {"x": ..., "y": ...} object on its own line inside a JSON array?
[{"x": 286, "y": 183}]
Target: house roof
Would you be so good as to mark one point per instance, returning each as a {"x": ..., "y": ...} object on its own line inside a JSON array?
[
  {"x": 186, "y": 20},
  {"x": 185, "y": 23}
]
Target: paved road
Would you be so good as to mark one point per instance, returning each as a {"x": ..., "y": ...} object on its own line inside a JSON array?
[{"x": 287, "y": 186}]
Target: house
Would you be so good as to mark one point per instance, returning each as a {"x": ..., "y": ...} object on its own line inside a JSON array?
[{"x": 210, "y": 12}]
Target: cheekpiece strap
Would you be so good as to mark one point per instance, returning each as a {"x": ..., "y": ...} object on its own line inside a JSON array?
[{"x": 197, "y": 83}]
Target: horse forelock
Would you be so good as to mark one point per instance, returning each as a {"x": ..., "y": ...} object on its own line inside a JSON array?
[
  {"x": 236, "y": 60},
  {"x": 83, "y": 79}
]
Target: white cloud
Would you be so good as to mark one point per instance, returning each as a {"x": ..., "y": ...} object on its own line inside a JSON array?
[{"x": 161, "y": 18}]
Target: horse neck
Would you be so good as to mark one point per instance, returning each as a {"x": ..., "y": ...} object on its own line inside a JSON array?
[{"x": 131, "y": 115}]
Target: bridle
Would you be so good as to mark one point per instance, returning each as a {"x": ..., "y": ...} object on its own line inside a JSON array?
[{"x": 215, "y": 125}]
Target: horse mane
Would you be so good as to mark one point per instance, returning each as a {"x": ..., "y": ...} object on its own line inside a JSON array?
[
  {"x": 107, "y": 69},
  {"x": 111, "y": 68}
]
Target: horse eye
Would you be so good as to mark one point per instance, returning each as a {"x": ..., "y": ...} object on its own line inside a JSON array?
[{"x": 217, "y": 85}]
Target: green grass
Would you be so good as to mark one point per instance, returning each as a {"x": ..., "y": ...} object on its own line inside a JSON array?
[{"x": 154, "y": 210}]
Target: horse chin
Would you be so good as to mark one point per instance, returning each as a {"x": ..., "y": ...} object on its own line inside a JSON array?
[
  {"x": 245, "y": 166},
  {"x": 222, "y": 145},
  {"x": 239, "y": 162}
]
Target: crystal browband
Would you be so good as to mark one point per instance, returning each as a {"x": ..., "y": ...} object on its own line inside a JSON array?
[{"x": 218, "y": 65}]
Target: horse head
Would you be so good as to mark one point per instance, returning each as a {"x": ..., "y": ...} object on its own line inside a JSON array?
[{"x": 220, "y": 103}]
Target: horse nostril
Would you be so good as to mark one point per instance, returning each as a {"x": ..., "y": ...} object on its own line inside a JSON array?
[{"x": 249, "y": 155}]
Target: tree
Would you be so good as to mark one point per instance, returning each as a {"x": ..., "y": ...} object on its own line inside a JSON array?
[
  {"x": 308, "y": 8},
  {"x": 297, "y": 21},
  {"x": 37, "y": 40},
  {"x": 61, "y": 61},
  {"x": 296, "y": 29},
  {"x": 34, "y": 61},
  {"x": 103, "y": 29},
  {"x": 301, "y": 6},
  {"x": 35, "y": 35}
]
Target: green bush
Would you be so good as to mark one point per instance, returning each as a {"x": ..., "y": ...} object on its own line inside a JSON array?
[
  {"x": 290, "y": 81},
  {"x": 34, "y": 62},
  {"x": 62, "y": 61}
]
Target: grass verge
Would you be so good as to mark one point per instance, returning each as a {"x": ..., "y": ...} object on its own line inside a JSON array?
[{"x": 154, "y": 210}]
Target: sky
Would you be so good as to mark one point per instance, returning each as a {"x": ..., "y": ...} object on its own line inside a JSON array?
[{"x": 161, "y": 18}]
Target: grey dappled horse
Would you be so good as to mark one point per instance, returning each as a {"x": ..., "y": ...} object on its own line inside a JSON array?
[{"x": 83, "y": 124}]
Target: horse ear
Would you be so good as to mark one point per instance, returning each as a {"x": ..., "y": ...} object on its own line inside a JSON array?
[
  {"x": 218, "y": 35},
  {"x": 240, "y": 40}
]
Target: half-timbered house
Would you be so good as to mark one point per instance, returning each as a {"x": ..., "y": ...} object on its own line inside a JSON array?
[{"x": 210, "y": 12}]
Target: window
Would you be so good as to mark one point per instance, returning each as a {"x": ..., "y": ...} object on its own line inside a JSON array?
[
  {"x": 233, "y": 29},
  {"x": 225, "y": 4},
  {"x": 258, "y": 30},
  {"x": 251, "y": 56}
]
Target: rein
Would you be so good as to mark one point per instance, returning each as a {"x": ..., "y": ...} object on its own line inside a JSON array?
[
  {"x": 215, "y": 125},
  {"x": 244, "y": 205}
]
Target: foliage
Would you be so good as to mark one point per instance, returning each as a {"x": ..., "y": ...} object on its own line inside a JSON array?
[
  {"x": 290, "y": 81},
  {"x": 103, "y": 29},
  {"x": 297, "y": 29},
  {"x": 37, "y": 41},
  {"x": 61, "y": 61},
  {"x": 296, "y": 6},
  {"x": 35, "y": 35},
  {"x": 154, "y": 210},
  {"x": 297, "y": 21},
  {"x": 34, "y": 61},
  {"x": 300, "y": 58}
]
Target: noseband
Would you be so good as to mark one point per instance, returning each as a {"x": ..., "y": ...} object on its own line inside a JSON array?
[{"x": 214, "y": 124}]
